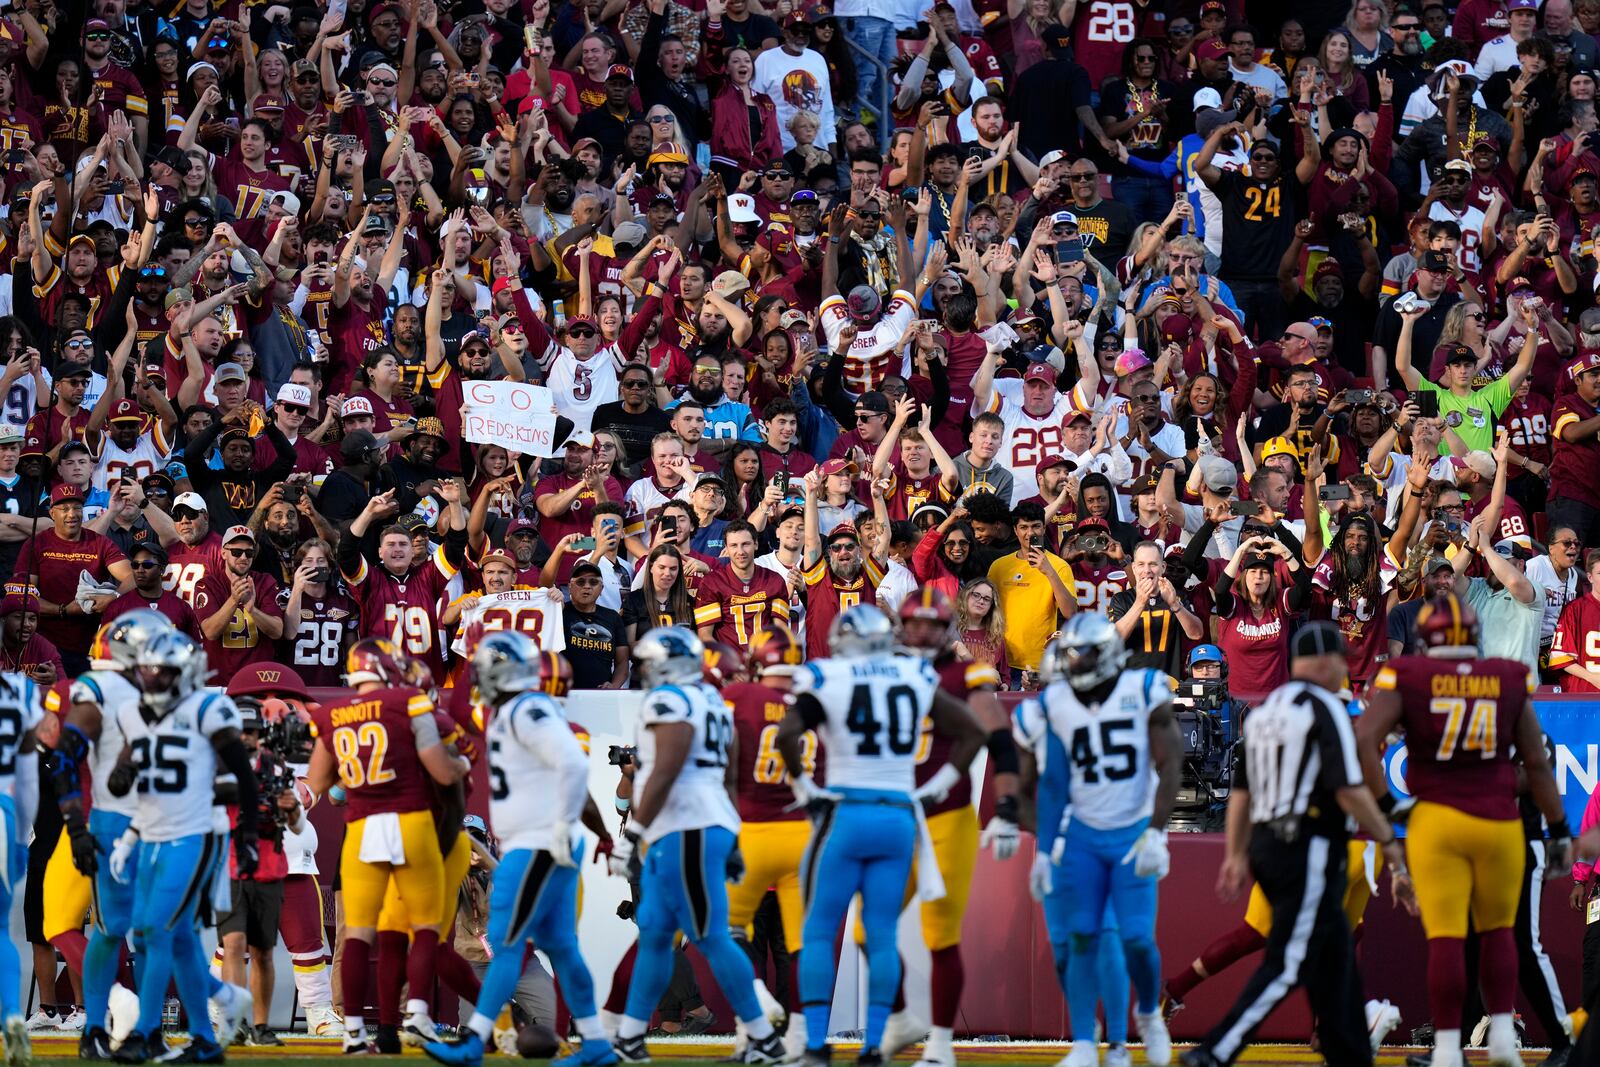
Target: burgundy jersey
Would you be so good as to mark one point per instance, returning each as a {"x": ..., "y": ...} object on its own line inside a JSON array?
[
  {"x": 1575, "y": 465},
  {"x": 827, "y": 597},
  {"x": 1097, "y": 585},
  {"x": 1577, "y": 640},
  {"x": 314, "y": 643},
  {"x": 187, "y": 565},
  {"x": 174, "y": 607},
  {"x": 1256, "y": 648},
  {"x": 738, "y": 607},
  {"x": 241, "y": 642},
  {"x": 1513, "y": 521},
  {"x": 49, "y": 428},
  {"x": 248, "y": 189},
  {"x": 906, "y": 494},
  {"x": 1100, "y": 33},
  {"x": 356, "y": 330},
  {"x": 579, "y": 518},
  {"x": 960, "y": 679},
  {"x": 1528, "y": 422},
  {"x": 405, "y": 610},
  {"x": 370, "y": 735},
  {"x": 764, "y": 792},
  {"x": 1460, "y": 719}
]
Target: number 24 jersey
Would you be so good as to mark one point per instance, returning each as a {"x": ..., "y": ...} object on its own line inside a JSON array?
[
  {"x": 874, "y": 709},
  {"x": 1108, "y": 747}
]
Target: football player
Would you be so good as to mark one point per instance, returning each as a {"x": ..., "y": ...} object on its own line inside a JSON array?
[
  {"x": 682, "y": 810},
  {"x": 1125, "y": 758},
  {"x": 867, "y": 705},
  {"x": 539, "y": 787},
  {"x": 20, "y": 714},
  {"x": 383, "y": 746},
  {"x": 1468, "y": 723}
]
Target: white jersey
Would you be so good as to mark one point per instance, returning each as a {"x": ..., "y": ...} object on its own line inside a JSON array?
[
  {"x": 148, "y": 455},
  {"x": 1471, "y": 221},
  {"x": 581, "y": 385},
  {"x": 21, "y": 710},
  {"x": 699, "y": 797},
  {"x": 535, "y": 612},
  {"x": 1108, "y": 747},
  {"x": 108, "y": 691},
  {"x": 176, "y": 763},
  {"x": 538, "y": 771},
  {"x": 875, "y": 709},
  {"x": 1026, "y": 440}
]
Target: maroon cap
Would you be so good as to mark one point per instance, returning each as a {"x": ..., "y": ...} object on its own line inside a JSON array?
[
  {"x": 844, "y": 529},
  {"x": 521, "y": 524},
  {"x": 19, "y": 600},
  {"x": 839, "y": 466},
  {"x": 64, "y": 493},
  {"x": 268, "y": 679},
  {"x": 1052, "y": 460},
  {"x": 1039, "y": 372},
  {"x": 620, "y": 71},
  {"x": 1210, "y": 49},
  {"x": 126, "y": 411},
  {"x": 1586, "y": 361}
]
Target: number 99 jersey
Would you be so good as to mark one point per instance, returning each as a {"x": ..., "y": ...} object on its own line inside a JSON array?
[
  {"x": 873, "y": 712},
  {"x": 176, "y": 763},
  {"x": 1108, "y": 747},
  {"x": 699, "y": 795}
]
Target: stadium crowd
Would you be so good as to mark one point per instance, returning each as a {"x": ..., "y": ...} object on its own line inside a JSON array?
[{"x": 1207, "y": 319}]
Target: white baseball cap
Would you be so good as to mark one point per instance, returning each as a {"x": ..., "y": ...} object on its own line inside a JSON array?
[
  {"x": 742, "y": 208},
  {"x": 356, "y": 405},
  {"x": 294, "y": 393},
  {"x": 192, "y": 501}
]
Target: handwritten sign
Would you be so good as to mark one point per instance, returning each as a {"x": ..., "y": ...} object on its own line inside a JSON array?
[{"x": 519, "y": 417}]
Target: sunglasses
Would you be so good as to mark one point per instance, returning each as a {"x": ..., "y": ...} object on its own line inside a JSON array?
[
  {"x": 78, "y": 345},
  {"x": 383, "y": 83},
  {"x": 240, "y": 552},
  {"x": 197, "y": 222},
  {"x": 152, "y": 272},
  {"x": 844, "y": 546},
  {"x": 144, "y": 564},
  {"x": 294, "y": 409},
  {"x": 1567, "y": 542},
  {"x": 636, "y": 383},
  {"x": 576, "y": 331},
  {"x": 1082, "y": 177},
  {"x": 664, "y": 120},
  {"x": 1407, "y": 27},
  {"x": 777, "y": 175},
  {"x": 307, "y": 79},
  {"x": 157, "y": 490},
  {"x": 1478, "y": 316},
  {"x": 97, "y": 35},
  {"x": 585, "y": 582}
]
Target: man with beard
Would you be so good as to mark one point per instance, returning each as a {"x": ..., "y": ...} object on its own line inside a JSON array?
[
  {"x": 1349, "y": 585},
  {"x": 1510, "y": 608},
  {"x": 119, "y": 89},
  {"x": 1342, "y": 322},
  {"x": 1403, "y": 65},
  {"x": 231, "y": 493},
  {"x": 725, "y": 421},
  {"x": 796, "y": 77},
  {"x": 79, "y": 275},
  {"x": 65, "y": 419},
  {"x": 22, "y": 648},
  {"x": 197, "y": 551},
  {"x": 567, "y": 500},
  {"x": 130, "y": 452},
  {"x": 552, "y": 195},
  {"x": 860, "y": 324},
  {"x": 149, "y": 562},
  {"x": 1451, "y": 202},
  {"x": 838, "y": 573},
  {"x": 1005, "y": 169},
  {"x": 633, "y": 420},
  {"x": 53, "y": 561},
  {"x": 276, "y": 523},
  {"x": 1032, "y": 411},
  {"x": 1485, "y": 494},
  {"x": 238, "y": 608},
  {"x": 306, "y": 113},
  {"x": 210, "y": 273},
  {"x": 1145, "y": 434},
  {"x": 149, "y": 289}
]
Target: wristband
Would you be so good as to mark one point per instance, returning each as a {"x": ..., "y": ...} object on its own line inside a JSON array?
[{"x": 1559, "y": 829}]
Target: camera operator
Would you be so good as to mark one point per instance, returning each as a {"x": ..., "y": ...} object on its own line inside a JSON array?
[
  {"x": 252, "y": 922},
  {"x": 1208, "y": 718},
  {"x": 1205, "y": 683}
]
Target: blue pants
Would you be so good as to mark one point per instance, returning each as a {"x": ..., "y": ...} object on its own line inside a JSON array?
[
  {"x": 863, "y": 844},
  {"x": 113, "y": 918},
  {"x": 876, "y": 37},
  {"x": 685, "y": 888},
  {"x": 1092, "y": 864},
  {"x": 531, "y": 898},
  {"x": 1110, "y": 965},
  {"x": 13, "y": 868},
  {"x": 1149, "y": 199},
  {"x": 172, "y": 878}
]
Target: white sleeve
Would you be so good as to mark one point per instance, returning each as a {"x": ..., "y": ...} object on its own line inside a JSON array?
[
  {"x": 665, "y": 705},
  {"x": 219, "y": 714}
]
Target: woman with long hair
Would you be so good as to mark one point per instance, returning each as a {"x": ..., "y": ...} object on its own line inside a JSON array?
[
  {"x": 896, "y": 162},
  {"x": 1254, "y": 614},
  {"x": 1026, "y": 46},
  {"x": 747, "y": 483},
  {"x": 1464, "y": 324},
  {"x": 1206, "y": 397},
  {"x": 608, "y": 450},
  {"x": 981, "y": 625},
  {"x": 382, "y": 372},
  {"x": 161, "y": 75},
  {"x": 1136, "y": 116},
  {"x": 76, "y": 116},
  {"x": 1341, "y": 76},
  {"x": 744, "y": 123},
  {"x": 241, "y": 351},
  {"x": 662, "y": 598},
  {"x": 944, "y": 558},
  {"x": 1367, "y": 25},
  {"x": 827, "y": 40},
  {"x": 1347, "y": 588},
  {"x": 492, "y": 465}
]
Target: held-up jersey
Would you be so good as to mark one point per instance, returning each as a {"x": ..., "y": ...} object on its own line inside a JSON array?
[
  {"x": 21, "y": 709},
  {"x": 176, "y": 763},
  {"x": 538, "y": 771},
  {"x": 874, "y": 709},
  {"x": 373, "y": 737},
  {"x": 763, "y": 780},
  {"x": 960, "y": 679},
  {"x": 108, "y": 691},
  {"x": 699, "y": 795},
  {"x": 1108, "y": 747},
  {"x": 1460, "y": 718}
]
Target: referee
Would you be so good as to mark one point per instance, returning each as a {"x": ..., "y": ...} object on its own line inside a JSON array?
[{"x": 1297, "y": 780}]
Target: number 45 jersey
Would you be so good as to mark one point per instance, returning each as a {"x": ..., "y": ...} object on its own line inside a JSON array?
[
  {"x": 699, "y": 795},
  {"x": 874, "y": 709},
  {"x": 1460, "y": 718},
  {"x": 176, "y": 763},
  {"x": 1108, "y": 747}
]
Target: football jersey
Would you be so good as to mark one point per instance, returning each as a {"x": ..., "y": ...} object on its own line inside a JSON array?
[
  {"x": 1577, "y": 640},
  {"x": 867, "y": 360},
  {"x": 176, "y": 763},
  {"x": 538, "y": 771},
  {"x": 372, "y": 737},
  {"x": 1108, "y": 747},
  {"x": 699, "y": 795},
  {"x": 827, "y": 596},
  {"x": 1460, "y": 719},
  {"x": 1097, "y": 585},
  {"x": 1026, "y": 439},
  {"x": 241, "y": 641},
  {"x": 960, "y": 679},
  {"x": 874, "y": 710},
  {"x": 534, "y": 612},
  {"x": 21, "y": 710},
  {"x": 187, "y": 566},
  {"x": 739, "y": 607},
  {"x": 316, "y": 640},
  {"x": 763, "y": 780},
  {"x": 580, "y": 385},
  {"x": 405, "y": 610},
  {"x": 108, "y": 691},
  {"x": 148, "y": 455}
]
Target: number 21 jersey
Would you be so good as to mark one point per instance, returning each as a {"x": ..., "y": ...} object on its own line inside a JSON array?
[
  {"x": 699, "y": 795},
  {"x": 1108, "y": 747},
  {"x": 874, "y": 711}
]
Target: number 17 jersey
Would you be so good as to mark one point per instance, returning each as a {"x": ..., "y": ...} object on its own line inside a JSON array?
[
  {"x": 1108, "y": 747},
  {"x": 874, "y": 709}
]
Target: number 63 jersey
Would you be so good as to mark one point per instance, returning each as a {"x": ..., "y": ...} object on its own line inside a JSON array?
[
  {"x": 1108, "y": 747},
  {"x": 874, "y": 710},
  {"x": 177, "y": 764},
  {"x": 699, "y": 795}
]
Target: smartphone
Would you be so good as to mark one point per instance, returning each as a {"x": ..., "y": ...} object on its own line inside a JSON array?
[
  {"x": 1246, "y": 508},
  {"x": 117, "y": 187},
  {"x": 583, "y": 544},
  {"x": 783, "y": 484},
  {"x": 17, "y": 156},
  {"x": 1428, "y": 405},
  {"x": 669, "y": 524},
  {"x": 1333, "y": 492},
  {"x": 1357, "y": 397},
  {"x": 1069, "y": 251}
]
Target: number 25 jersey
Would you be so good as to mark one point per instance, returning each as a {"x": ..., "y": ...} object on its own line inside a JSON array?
[
  {"x": 1108, "y": 747},
  {"x": 699, "y": 795},
  {"x": 1460, "y": 718},
  {"x": 874, "y": 711},
  {"x": 176, "y": 763},
  {"x": 372, "y": 737}
]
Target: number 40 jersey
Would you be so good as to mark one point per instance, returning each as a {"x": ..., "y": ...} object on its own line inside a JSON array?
[
  {"x": 1108, "y": 747},
  {"x": 874, "y": 710}
]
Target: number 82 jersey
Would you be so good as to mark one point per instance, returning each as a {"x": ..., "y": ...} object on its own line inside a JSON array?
[{"x": 1108, "y": 747}]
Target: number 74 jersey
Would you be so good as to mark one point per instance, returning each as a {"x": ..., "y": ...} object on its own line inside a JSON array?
[{"x": 1108, "y": 747}]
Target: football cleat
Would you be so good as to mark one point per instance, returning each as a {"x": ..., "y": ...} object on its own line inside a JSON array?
[
  {"x": 768, "y": 1050},
  {"x": 1119, "y": 1056},
  {"x": 465, "y": 1051},
  {"x": 42, "y": 1020},
  {"x": 356, "y": 1045},
  {"x": 1199, "y": 1057},
  {"x": 631, "y": 1050},
  {"x": 196, "y": 1052},
  {"x": 1503, "y": 1043},
  {"x": 262, "y": 1037},
  {"x": 870, "y": 1057},
  {"x": 937, "y": 1052},
  {"x": 323, "y": 1021},
  {"x": 386, "y": 1039},
  {"x": 1157, "y": 1042},
  {"x": 794, "y": 1040},
  {"x": 1382, "y": 1017},
  {"x": 592, "y": 1052},
  {"x": 817, "y": 1057},
  {"x": 417, "y": 1031},
  {"x": 14, "y": 1036},
  {"x": 135, "y": 1048},
  {"x": 901, "y": 1032},
  {"x": 122, "y": 1013},
  {"x": 229, "y": 1008},
  {"x": 95, "y": 1044},
  {"x": 1083, "y": 1054}
]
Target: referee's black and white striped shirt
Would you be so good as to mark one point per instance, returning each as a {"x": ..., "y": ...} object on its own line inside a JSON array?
[{"x": 1299, "y": 751}]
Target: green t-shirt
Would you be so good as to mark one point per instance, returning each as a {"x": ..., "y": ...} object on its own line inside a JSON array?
[{"x": 1479, "y": 411}]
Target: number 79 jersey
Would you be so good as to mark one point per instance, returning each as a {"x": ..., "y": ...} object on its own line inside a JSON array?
[
  {"x": 1108, "y": 747},
  {"x": 177, "y": 764},
  {"x": 699, "y": 795},
  {"x": 874, "y": 710}
]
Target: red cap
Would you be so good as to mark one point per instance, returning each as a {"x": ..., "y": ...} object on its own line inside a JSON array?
[
  {"x": 19, "y": 600},
  {"x": 1588, "y": 360},
  {"x": 263, "y": 679},
  {"x": 126, "y": 411},
  {"x": 1050, "y": 460},
  {"x": 64, "y": 492},
  {"x": 1092, "y": 520},
  {"x": 839, "y": 466},
  {"x": 1040, "y": 372},
  {"x": 1210, "y": 49},
  {"x": 500, "y": 284}
]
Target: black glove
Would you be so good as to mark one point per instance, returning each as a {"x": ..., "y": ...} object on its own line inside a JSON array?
[
  {"x": 120, "y": 782},
  {"x": 84, "y": 847},
  {"x": 735, "y": 865},
  {"x": 246, "y": 854}
]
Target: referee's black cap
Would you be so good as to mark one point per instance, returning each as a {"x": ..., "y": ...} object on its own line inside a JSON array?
[{"x": 1320, "y": 638}]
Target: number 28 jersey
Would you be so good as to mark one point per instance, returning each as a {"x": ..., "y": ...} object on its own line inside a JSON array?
[
  {"x": 176, "y": 763},
  {"x": 1108, "y": 747},
  {"x": 874, "y": 710},
  {"x": 699, "y": 795},
  {"x": 372, "y": 737}
]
